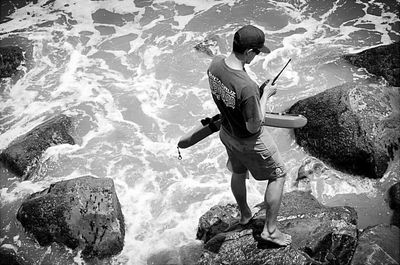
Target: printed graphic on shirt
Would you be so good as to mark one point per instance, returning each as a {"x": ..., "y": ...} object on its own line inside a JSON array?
[{"x": 221, "y": 91}]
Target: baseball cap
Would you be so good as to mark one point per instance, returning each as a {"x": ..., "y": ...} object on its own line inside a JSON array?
[{"x": 250, "y": 37}]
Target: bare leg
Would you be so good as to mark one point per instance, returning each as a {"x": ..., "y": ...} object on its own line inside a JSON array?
[
  {"x": 273, "y": 198},
  {"x": 238, "y": 186}
]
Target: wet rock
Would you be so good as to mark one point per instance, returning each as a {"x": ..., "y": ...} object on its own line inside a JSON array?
[
  {"x": 22, "y": 156},
  {"x": 10, "y": 58},
  {"x": 394, "y": 203},
  {"x": 311, "y": 168},
  {"x": 351, "y": 127},
  {"x": 382, "y": 61},
  {"x": 82, "y": 213},
  {"x": 210, "y": 46},
  {"x": 187, "y": 254},
  {"x": 10, "y": 6},
  {"x": 216, "y": 221},
  {"x": 9, "y": 257},
  {"x": 378, "y": 245},
  {"x": 394, "y": 197},
  {"x": 321, "y": 235},
  {"x": 20, "y": 43}
]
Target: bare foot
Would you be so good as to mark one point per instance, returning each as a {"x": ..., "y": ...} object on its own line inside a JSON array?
[
  {"x": 245, "y": 217},
  {"x": 277, "y": 237}
]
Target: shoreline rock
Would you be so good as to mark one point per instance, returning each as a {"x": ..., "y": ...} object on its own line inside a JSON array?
[
  {"x": 8, "y": 256},
  {"x": 82, "y": 213},
  {"x": 10, "y": 58},
  {"x": 381, "y": 61},
  {"x": 355, "y": 127},
  {"x": 346, "y": 126},
  {"x": 394, "y": 203},
  {"x": 22, "y": 156},
  {"x": 24, "y": 48},
  {"x": 320, "y": 234}
]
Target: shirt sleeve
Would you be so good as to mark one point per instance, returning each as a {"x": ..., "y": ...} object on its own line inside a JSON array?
[{"x": 251, "y": 108}]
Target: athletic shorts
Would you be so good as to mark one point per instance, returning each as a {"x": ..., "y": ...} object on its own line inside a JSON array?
[{"x": 257, "y": 154}]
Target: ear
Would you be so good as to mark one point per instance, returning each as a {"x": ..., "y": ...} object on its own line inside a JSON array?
[{"x": 247, "y": 52}]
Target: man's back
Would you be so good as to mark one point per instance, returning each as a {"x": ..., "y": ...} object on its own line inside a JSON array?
[{"x": 236, "y": 96}]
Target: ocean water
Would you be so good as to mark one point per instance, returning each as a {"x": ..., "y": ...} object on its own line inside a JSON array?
[{"x": 127, "y": 71}]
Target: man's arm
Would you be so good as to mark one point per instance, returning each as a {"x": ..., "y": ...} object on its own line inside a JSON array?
[{"x": 254, "y": 124}]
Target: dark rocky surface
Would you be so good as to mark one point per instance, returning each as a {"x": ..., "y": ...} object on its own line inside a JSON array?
[
  {"x": 321, "y": 235},
  {"x": 381, "y": 61},
  {"x": 82, "y": 213},
  {"x": 394, "y": 203},
  {"x": 352, "y": 127},
  {"x": 10, "y": 58},
  {"x": 23, "y": 154},
  {"x": 355, "y": 127},
  {"x": 9, "y": 257}
]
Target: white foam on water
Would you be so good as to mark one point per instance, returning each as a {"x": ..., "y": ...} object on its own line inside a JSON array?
[
  {"x": 333, "y": 184},
  {"x": 20, "y": 190},
  {"x": 78, "y": 260},
  {"x": 201, "y": 5}
]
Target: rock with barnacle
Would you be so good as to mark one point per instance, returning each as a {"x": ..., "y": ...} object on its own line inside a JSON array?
[{"x": 82, "y": 213}]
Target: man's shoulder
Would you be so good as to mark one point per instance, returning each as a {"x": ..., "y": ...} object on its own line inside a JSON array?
[
  {"x": 250, "y": 90},
  {"x": 217, "y": 59}
]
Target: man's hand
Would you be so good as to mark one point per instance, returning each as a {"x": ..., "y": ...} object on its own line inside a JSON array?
[{"x": 271, "y": 91}]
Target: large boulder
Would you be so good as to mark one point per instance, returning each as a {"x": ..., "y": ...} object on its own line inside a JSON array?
[
  {"x": 9, "y": 257},
  {"x": 10, "y": 58},
  {"x": 20, "y": 52},
  {"x": 394, "y": 203},
  {"x": 378, "y": 245},
  {"x": 82, "y": 213},
  {"x": 321, "y": 235},
  {"x": 22, "y": 156},
  {"x": 382, "y": 61},
  {"x": 353, "y": 127}
]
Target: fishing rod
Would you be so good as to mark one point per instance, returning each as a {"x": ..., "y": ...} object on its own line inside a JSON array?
[
  {"x": 276, "y": 77},
  {"x": 274, "y": 80}
]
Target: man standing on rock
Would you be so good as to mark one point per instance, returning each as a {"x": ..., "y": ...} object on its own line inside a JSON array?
[{"x": 248, "y": 144}]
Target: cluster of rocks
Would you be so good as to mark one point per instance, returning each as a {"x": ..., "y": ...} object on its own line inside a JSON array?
[
  {"x": 82, "y": 213},
  {"x": 320, "y": 234}
]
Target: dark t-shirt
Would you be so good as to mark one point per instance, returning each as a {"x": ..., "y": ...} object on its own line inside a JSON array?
[{"x": 237, "y": 96}]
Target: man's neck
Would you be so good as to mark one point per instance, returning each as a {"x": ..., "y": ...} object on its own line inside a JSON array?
[{"x": 233, "y": 62}]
